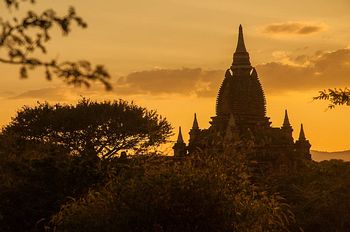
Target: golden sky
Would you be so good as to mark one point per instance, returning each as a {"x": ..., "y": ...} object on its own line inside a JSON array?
[{"x": 171, "y": 56}]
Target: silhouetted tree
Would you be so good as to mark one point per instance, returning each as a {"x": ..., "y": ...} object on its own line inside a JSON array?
[
  {"x": 89, "y": 128},
  {"x": 22, "y": 39},
  {"x": 48, "y": 153},
  {"x": 335, "y": 97}
]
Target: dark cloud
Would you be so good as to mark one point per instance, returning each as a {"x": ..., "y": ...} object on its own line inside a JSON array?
[
  {"x": 318, "y": 71},
  {"x": 293, "y": 28}
]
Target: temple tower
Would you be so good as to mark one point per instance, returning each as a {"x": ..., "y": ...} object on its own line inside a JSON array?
[
  {"x": 241, "y": 93},
  {"x": 194, "y": 135},
  {"x": 180, "y": 149},
  {"x": 195, "y": 129},
  {"x": 303, "y": 145},
  {"x": 241, "y": 120},
  {"x": 287, "y": 129}
]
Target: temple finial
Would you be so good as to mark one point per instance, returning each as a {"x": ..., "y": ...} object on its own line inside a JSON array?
[
  {"x": 179, "y": 137},
  {"x": 195, "y": 122},
  {"x": 302, "y": 134},
  {"x": 241, "y": 56},
  {"x": 240, "y": 43},
  {"x": 286, "y": 119}
]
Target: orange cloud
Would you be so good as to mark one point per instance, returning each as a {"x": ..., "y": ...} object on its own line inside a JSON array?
[
  {"x": 51, "y": 94},
  {"x": 323, "y": 70},
  {"x": 298, "y": 28},
  {"x": 304, "y": 72},
  {"x": 185, "y": 81}
]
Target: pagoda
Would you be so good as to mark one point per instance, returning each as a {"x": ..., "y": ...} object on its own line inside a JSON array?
[{"x": 241, "y": 118}]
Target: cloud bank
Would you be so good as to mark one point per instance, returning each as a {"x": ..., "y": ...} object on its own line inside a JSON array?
[
  {"x": 185, "y": 81},
  {"x": 298, "y": 28},
  {"x": 321, "y": 70},
  {"x": 50, "y": 94},
  {"x": 304, "y": 72}
]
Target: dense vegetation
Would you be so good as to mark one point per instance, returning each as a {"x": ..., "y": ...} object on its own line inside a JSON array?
[
  {"x": 50, "y": 153},
  {"x": 201, "y": 193},
  {"x": 55, "y": 176},
  {"x": 318, "y": 193}
]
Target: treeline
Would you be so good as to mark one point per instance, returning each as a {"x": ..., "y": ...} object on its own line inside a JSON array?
[{"x": 64, "y": 168}]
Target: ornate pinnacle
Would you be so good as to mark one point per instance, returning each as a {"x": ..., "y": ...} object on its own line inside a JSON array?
[
  {"x": 195, "y": 123},
  {"x": 286, "y": 119},
  {"x": 179, "y": 137},
  {"x": 240, "y": 43},
  {"x": 241, "y": 56},
  {"x": 302, "y": 134}
]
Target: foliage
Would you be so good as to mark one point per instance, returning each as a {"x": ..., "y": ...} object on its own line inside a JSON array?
[
  {"x": 36, "y": 181},
  {"x": 48, "y": 153},
  {"x": 335, "y": 97},
  {"x": 22, "y": 39},
  {"x": 319, "y": 194},
  {"x": 201, "y": 193},
  {"x": 90, "y": 128}
]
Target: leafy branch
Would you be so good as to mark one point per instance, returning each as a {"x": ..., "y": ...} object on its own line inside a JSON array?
[
  {"x": 335, "y": 97},
  {"x": 22, "y": 39}
]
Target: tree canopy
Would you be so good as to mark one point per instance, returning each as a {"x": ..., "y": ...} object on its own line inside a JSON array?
[
  {"x": 89, "y": 127},
  {"x": 23, "y": 38}
]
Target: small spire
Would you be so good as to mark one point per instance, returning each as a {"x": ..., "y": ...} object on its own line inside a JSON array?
[
  {"x": 240, "y": 43},
  {"x": 179, "y": 137},
  {"x": 302, "y": 134},
  {"x": 286, "y": 119},
  {"x": 195, "y": 122}
]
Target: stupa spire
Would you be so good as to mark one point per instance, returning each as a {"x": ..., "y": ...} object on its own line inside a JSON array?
[
  {"x": 195, "y": 123},
  {"x": 240, "y": 43},
  {"x": 179, "y": 137},
  {"x": 302, "y": 134},
  {"x": 286, "y": 119},
  {"x": 179, "y": 147},
  {"x": 241, "y": 56},
  {"x": 303, "y": 145}
]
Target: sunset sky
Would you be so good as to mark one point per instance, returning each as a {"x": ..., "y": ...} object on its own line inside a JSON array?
[{"x": 171, "y": 56}]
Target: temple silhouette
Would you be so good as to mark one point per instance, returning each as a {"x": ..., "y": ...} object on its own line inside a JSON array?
[{"x": 241, "y": 118}]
